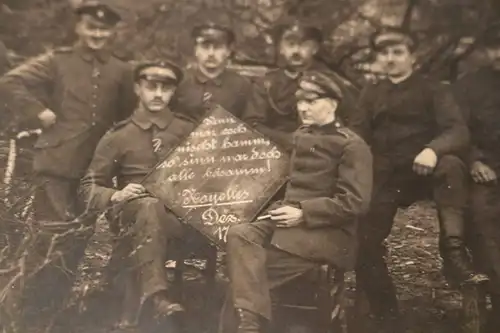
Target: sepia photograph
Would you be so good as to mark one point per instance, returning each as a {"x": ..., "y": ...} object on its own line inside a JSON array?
[{"x": 249, "y": 166}]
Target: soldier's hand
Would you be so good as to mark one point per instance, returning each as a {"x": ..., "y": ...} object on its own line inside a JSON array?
[
  {"x": 47, "y": 118},
  {"x": 287, "y": 216},
  {"x": 425, "y": 162},
  {"x": 481, "y": 173},
  {"x": 129, "y": 192}
]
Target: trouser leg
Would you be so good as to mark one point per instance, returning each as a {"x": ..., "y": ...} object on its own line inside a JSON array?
[
  {"x": 254, "y": 269},
  {"x": 148, "y": 227},
  {"x": 246, "y": 263},
  {"x": 55, "y": 198},
  {"x": 50, "y": 286},
  {"x": 485, "y": 215},
  {"x": 450, "y": 195},
  {"x": 372, "y": 274}
]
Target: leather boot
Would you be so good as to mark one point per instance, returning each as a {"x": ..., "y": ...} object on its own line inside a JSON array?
[
  {"x": 249, "y": 322},
  {"x": 457, "y": 265}
]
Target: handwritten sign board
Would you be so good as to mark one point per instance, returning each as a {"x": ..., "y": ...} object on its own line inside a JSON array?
[{"x": 222, "y": 174}]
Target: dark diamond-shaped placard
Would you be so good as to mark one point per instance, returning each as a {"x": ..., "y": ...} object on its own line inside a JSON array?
[{"x": 223, "y": 173}]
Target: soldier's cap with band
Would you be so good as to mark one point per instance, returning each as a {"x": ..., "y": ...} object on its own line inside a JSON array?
[
  {"x": 213, "y": 27},
  {"x": 297, "y": 30},
  {"x": 160, "y": 70},
  {"x": 389, "y": 36},
  {"x": 314, "y": 85},
  {"x": 99, "y": 10},
  {"x": 491, "y": 37}
]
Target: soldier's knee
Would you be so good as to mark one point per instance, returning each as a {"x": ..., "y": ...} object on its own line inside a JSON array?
[
  {"x": 144, "y": 210},
  {"x": 240, "y": 232},
  {"x": 450, "y": 164},
  {"x": 142, "y": 204}
]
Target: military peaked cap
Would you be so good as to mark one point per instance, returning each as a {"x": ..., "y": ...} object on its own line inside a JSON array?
[
  {"x": 391, "y": 36},
  {"x": 314, "y": 85},
  {"x": 100, "y": 11},
  {"x": 213, "y": 26},
  {"x": 161, "y": 70},
  {"x": 298, "y": 30}
]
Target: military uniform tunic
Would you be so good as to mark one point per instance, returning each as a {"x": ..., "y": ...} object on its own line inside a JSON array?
[
  {"x": 129, "y": 152},
  {"x": 330, "y": 180},
  {"x": 230, "y": 90},
  {"x": 88, "y": 92}
]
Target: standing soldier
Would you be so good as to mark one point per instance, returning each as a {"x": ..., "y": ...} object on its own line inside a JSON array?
[
  {"x": 210, "y": 81},
  {"x": 298, "y": 44},
  {"x": 478, "y": 94},
  {"x": 415, "y": 130},
  {"x": 76, "y": 94}
]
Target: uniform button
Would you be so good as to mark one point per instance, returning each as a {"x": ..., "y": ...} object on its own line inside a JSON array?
[
  {"x": 94, "y": 106},
  {"x": 93, "y": 123}
]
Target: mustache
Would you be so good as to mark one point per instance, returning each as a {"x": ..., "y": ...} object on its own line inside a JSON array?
[{"x": 296, "y": 56}]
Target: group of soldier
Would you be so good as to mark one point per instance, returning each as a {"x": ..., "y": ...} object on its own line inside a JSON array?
[{"x": 355, "y": 159}]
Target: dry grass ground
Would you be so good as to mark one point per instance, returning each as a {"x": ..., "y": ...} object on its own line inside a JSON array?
[{"x": 428, "y": 305}]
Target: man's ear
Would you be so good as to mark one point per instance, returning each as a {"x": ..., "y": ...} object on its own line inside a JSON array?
[
  {"x": 137, "y": 87},
  {"x": 315, "y": 48},
  {"x": 334, "y": 103}
]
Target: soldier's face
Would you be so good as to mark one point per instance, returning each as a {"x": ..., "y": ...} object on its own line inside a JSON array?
[
  {"x": 396, "y": 60},
  {"x": 93, "y": 34},
  {"x": 298, "y": 53},
  {"x": 212, "y": 55},
  {"x": 318, "y": 111},
  {"x": 493, "y": 54},
  {"x": 154, "y": 96}
]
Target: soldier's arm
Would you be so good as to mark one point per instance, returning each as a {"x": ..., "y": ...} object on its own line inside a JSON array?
[
  {"x": 128, "y": 99},
  {"x": 464, "y": 91},
  {"x": 358, "y": 119},
  {"x": 260, "y": 108},
  {"x": 29, "y": 86},
  {"x": 282, "y": 138},
  {"x": 254, "y": 112},
  {"x": 96, "y": 187},
  {"x": 454, "y": 134},
  {"x": 352, "y": 191}
]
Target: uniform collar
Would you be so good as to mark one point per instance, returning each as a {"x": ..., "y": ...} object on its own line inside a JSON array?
[
  {"x": 145, "y": 119},
  {"x": 410, "y": 78},
  {"x": 314, "y": 66},
  {"x": 323, "y": 129},
  {"x": 202, "y": 78},
  {"x": 89, "y": 55}
]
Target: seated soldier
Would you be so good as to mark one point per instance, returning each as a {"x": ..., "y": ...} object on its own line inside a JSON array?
[
  {"x": 329, "y": 188},
  {"x": 416, "y": 132},
  {"x": 478, "y": 94},
  {"x": 129, "y": 151}
]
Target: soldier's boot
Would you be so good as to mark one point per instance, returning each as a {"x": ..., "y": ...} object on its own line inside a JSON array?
[
  {"x": 249, "y": 322},
  {"x": 457, "y": 264}
]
